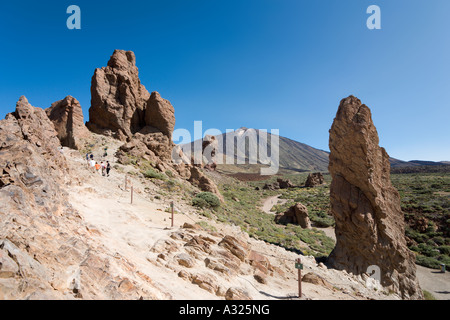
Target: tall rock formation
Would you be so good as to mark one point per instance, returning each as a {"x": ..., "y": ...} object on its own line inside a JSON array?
[
  {"x": 118, "y": 99},
  {"x": 369, "y": 221},
  {"x": 123, "y": 108},
  {"x": 67, "y": 117}
]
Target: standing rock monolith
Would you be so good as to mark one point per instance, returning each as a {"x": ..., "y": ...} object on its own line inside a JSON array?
[{"x": 370, "y": 228}]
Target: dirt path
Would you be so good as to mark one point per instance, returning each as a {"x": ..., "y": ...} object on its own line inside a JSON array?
[
  {"x": 269, "y": 202},
  {"x": 435, "y": 282}
]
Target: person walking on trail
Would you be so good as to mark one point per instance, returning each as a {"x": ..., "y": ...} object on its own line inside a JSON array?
[
  {"x": 92, "y": 165},
  {"x": 91, "y": 156},
  {"x": 97, "y": 167},
  {"x": 108, "y": 168},
  {"x": 103, "y": 168}
]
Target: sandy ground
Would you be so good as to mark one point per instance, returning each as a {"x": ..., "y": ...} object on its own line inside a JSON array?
[
  {"x": 269, "y": 202},
  {"x": 435, "y": 282}
]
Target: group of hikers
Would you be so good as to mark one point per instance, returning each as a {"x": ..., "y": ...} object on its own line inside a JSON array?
[{"x": 103, "y": 168}]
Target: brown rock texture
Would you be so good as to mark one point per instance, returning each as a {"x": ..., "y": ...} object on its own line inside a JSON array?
[
  {"x": 284, "y": 184},
  {"x": 314, "y": 179},
  {"x": 160, "y": 114},
  {"x": 67, "y": 117},
  {"x": 366, "y": 207},
  {"x": 204, "y": 183},
  {"x": 297, "y": 214},
  {"x": 118, "y": 99}
]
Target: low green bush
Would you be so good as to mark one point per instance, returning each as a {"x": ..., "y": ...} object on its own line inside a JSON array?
[
  {"x": 206, "y": 199},
  {"x": 153, "y": 174}
]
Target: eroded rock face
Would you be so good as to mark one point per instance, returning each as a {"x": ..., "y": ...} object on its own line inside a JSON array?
[
  {"x": 204, "y": 183},
  {"x": 118, "y": 99},
  {"x": 365, "y": 205},
  {"x": 160, "y": 114},
  {"x": 67, "y": 117}
]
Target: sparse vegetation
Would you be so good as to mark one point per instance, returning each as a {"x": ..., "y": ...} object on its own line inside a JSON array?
[
  {"x": 206, "y": 200},
  {"x": 426, "y": 204},
  {"x": 153, "y": 174},
  {"x": 241, "y": 208}
]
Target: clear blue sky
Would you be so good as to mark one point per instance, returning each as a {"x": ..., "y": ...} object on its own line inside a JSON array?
[{"x": 265, "y": 64}]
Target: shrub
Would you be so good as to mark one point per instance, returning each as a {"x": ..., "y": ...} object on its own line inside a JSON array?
[
  {"x": 428, "y": 262},
  {"x": 152, "y": 173},
  {"x": 206, "y": 199}
]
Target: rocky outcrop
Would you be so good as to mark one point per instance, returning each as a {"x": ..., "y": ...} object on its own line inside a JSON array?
[
  {"x": 121, "y": 107},
  {"x": 67, "y": 117},
  {"x": 279, "y": 184},
  {"x": 204, "y": 183},
  {"x": 365, "y": 205},
  {"x": 297, "y": 214},
  {"x": 160, "y": 114},
  {"x": 118, "y": 99},
  {"x": 45, "y": 247},
  {"x": 284, "y": 184},
  {"x": 314, "y": 179}
]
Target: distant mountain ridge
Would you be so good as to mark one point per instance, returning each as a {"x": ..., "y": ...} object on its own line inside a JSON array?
[{"x": 294, "y": 156}]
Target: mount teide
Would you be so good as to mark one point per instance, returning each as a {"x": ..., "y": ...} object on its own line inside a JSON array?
[{"x": 293, "y": 156}]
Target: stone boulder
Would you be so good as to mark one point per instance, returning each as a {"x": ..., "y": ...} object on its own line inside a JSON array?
[
  {"x": 314, "y": 179},
  {"x": 67, "y": 117},
  {"x": 272, "y": 186},
  {"x": 297, "y": 214},
  {"x": 234, "y": 293},
  {"x": 285, "y": 184},
  {"x": 370, "y": 228}
]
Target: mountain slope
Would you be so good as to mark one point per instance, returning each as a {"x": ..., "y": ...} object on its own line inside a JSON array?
[{"x": 243, "y": 151}]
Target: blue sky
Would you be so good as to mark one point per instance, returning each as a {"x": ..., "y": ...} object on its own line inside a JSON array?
[{"x": 265, "y": 64}]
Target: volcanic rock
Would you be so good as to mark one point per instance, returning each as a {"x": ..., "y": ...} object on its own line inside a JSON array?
[
  {"x": 118, "y": 99},
  {"x": 67, "y": 117},
  {"x": 160, "y": 114},
  {"x": 297, "y": 214},
  {"x": 370, "y": 228},
  {"x": 284, "y": 184},
  {"x": 271, "y": 186},
  {"x": 314, "y": 179},
  {"x": 204, "y": 183}
]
